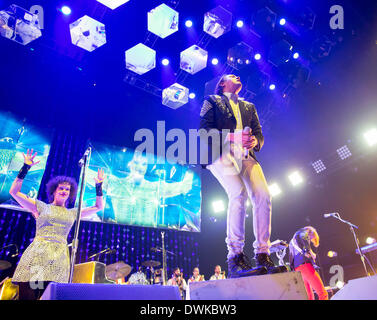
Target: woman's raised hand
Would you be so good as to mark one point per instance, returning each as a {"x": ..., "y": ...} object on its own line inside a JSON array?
[
  {"x": 100, "y": 177},
  {"x": 29, "y": 158}
]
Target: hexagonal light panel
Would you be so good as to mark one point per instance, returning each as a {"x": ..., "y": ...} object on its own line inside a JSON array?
[
  {"x": 193, "y": 59},
  {"x": 175, "y": 96},
  {"x": 217, "y": 21},
  {"x": 113, "y": 4},
  {"x": 19, "y": 25},
  {"x": 240, "y": 55},
  {"x": 140, "y": 59},
  {"x": 162, "y": 21},
  {"x": 87, "y": 33}
]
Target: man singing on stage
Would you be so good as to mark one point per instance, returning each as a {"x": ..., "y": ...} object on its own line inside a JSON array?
[{"x": 239, "y": 173}]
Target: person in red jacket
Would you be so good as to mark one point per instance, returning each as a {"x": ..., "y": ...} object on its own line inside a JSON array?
[{"x": 302, "y": 258}]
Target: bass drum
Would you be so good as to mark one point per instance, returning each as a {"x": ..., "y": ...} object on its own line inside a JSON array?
[{"x": 138, "y": 278}]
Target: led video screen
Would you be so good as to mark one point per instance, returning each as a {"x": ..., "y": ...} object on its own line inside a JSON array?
[
  {"x": 140, "y": 191},
  {"x": 15, "y": 138}
]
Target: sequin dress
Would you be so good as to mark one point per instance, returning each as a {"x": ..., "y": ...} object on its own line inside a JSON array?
[{"x": 47, "y": 257}]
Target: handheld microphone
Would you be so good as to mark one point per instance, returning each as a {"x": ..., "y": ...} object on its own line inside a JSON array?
[
  {"x": 87, "y": 151},
  {"x": 246, "y": 130},
  {"x": 326, "y": 215}
]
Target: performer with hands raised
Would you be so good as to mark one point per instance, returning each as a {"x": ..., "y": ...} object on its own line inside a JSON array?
[{"x": 47, "y": 257}]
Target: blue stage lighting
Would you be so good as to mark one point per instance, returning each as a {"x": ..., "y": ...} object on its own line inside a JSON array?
[
  {"x": 215, "y": 61},
  {"x": 295, "y": 55},
  {"x": 257, "y": 56},
  {"x": 239, "y": 23},
  {"x": 192, "y": 95},
  {"x": 272, "y": 86},
  {"x": 165, "y": 62},
  {"x": 282, "y": 21},
  {"x": 188, "y": 23},
  {"x": 66, "y": 10}
]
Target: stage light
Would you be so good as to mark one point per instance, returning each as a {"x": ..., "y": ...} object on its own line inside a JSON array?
[
  {"x": 239, "y": 24},
  {"x": 218, "y": 206},
  {"x": 296, "y": 55},
  {"x": 318, "y": 166},
  {"x": 217, "y": 22},
  {"x": 272, "y": 86},
  {"x": 175, "y": 96},
  {"x": 371, "y": 137},
  {"x": 192, "y": 95},
  {"x": 282, "y": 21},
  {"x": 193, "y": 59},
  {"x": 188, "y": 23},
  {"x": 215, "y": 61},
  {"x": 66, "y": 10},
  {"x": 295, "y": 178},
  {"x": 370, "y": 240},
  {"x": 87, "y": 33},
  {"x": 344, "y": 152},
  {"x": 162, "y": 21},
  {"x": 257, "y": 56},
  {"x": 140, "y": 59},
  {"x": 165, "y": 62},
  {"x": 340, "y": 284},
  {"x": 274, "y": 190},
  {"x": 248, "y": 203},
  {"x": 332, "y": 254}
]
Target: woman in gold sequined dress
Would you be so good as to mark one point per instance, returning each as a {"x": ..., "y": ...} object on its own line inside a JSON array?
[{"x": 47, "y": 257}]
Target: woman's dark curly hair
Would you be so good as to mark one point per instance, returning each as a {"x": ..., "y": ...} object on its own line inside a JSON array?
[{"x": 54, "y": 183}]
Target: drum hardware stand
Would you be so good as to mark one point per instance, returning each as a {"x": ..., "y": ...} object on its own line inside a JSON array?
[
  {"x": 164, "y": 274},
  {"x": 83, "y": 163},
  {"x": 352, "y": 228}
]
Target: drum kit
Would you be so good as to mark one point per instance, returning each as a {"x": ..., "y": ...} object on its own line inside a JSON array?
[
  {"x": 4, "y": 265},
  {"x": 120, "y": 270}
]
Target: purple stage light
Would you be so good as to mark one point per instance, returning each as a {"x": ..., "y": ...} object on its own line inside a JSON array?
[
  {"x": 282, "y": 21},
  {"x": 257, "y": 56},
  {"x": 192, "y": 95},
  {"x": 215, "y": 61},
  {"x": 272, "y": 86},
  {"x": 295, "y": 55},
  {"x": 165, "y": 62}
]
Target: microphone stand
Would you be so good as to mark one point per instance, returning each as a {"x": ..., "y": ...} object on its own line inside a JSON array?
[
  {"x": 83, "y": 164},
  {"x": 106, "y": 251},
  {"x": 352, "y": 228}
]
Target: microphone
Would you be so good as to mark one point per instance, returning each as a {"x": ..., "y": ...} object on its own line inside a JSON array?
[
  {"x": 87, "y": 151},
  {"x": 246, "y": 130},
  {"x": 326, "y": 215}
]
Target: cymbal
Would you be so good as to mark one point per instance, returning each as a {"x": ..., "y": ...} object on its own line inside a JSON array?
[
  {"x": 5, "y": 265},
  {"x": 118, "y": 270},
  {"x": 151, "y": 263}
]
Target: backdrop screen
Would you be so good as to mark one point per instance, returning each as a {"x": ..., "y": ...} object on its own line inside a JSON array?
[
  {"x": 138, "y": 191},
  {"x": 15, "y": 138}
]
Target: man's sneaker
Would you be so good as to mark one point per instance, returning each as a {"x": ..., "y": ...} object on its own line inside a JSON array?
[
  {"x": 264, "y": 260},
  {"x": 240, "y": 266}
]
